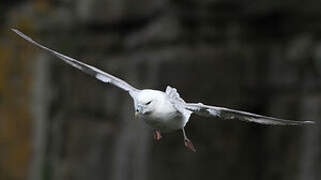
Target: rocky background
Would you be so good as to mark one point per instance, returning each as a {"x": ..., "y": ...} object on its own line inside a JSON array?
[{"x": 262, "y": 56}]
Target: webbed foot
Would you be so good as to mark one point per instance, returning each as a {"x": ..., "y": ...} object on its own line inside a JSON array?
[
  {"x": 157, "y": 135},
  {"x": 189, "y": 145}
]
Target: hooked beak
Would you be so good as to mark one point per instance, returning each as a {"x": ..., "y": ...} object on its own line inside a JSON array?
[
  {"x": 137, "y": 111},
  {"x": 136, "y": 115}
]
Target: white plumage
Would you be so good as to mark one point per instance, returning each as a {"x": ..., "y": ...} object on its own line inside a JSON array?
[{"x": 158, "y": 112}]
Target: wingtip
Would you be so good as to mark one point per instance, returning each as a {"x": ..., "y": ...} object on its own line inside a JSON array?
[
  {"x": 305, "y": 123},
  {"x": 309, "y": 122},
  {"x": 19, "y": 33},
  {"x": 14, "y": 30}
]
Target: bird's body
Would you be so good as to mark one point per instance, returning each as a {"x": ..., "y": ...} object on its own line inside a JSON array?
[
  {"x": 164, "y": 116},
  {"x": 165, "y": 111},
  {"x": 165, "y": 122}
]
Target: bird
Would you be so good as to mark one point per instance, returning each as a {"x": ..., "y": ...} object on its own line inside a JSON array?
[{"x": 164, "y": 111}]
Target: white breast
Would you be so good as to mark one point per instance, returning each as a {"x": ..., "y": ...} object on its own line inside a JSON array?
[{"x": 165, "y": 117}]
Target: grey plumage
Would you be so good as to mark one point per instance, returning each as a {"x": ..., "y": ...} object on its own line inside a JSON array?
[
  {"x": 225, "y": 113},
  {"x": 95, "y": 72}
]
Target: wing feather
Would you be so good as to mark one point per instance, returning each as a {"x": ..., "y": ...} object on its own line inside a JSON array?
[
  {"x": 92, "y": 71},
  {"x": 225, "y": 113},
  {"x": 177, "y": 101}
]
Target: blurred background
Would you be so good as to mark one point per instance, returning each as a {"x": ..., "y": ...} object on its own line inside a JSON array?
[{"x": 57, "y": 123}]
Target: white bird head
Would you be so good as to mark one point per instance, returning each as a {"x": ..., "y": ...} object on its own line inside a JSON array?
[{"x": 147, "y": 101}]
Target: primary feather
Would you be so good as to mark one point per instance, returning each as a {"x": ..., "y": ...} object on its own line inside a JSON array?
[
  {"x": 93, "y": 71},
  {"x": 225, "y": 113}
]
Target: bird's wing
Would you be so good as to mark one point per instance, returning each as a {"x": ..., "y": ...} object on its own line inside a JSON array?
[
  {"x": 177, "y": 101},
  {"x": 225, "y": 113},
  {"x": 173, "y": 95},
  {"x": 95, "y": 72}
]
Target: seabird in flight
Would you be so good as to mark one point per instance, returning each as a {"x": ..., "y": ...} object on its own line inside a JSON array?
[{"x": 165, "y": 111}]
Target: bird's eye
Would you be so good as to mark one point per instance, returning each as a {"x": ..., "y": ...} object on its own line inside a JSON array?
[{"x": 148, "y": 102}]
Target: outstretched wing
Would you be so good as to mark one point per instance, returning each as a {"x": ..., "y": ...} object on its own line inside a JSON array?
[
  {"x": 226, "y": 113},
  {"x": 97, "y": 73}
]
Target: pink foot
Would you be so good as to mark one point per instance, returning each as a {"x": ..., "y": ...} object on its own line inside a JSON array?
[
  {"x": 157, "y": 135},
  {"x": 190, "y": 145}
]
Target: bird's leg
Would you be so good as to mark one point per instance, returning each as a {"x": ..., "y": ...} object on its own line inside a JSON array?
[
  {"x": 157, "y": 135},
  {"x": 188, "y": 143}
]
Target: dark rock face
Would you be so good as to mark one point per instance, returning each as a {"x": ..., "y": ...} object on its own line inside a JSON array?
[{"x": 262, "y": 56}]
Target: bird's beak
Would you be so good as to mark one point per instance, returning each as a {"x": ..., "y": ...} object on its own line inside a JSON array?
[{"x": 136, "y": 115}]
